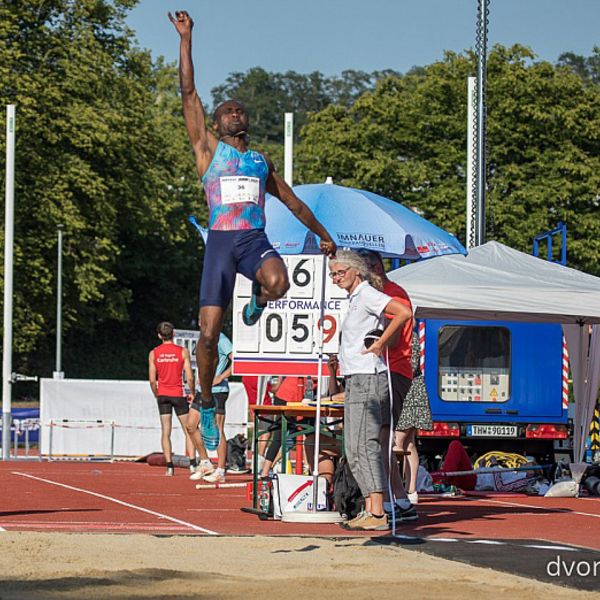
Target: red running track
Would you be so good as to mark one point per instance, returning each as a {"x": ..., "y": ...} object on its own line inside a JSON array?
[{"x": 138, "y": 498}]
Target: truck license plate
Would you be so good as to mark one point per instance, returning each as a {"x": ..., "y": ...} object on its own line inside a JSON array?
[{"x": 492, "y": 430}]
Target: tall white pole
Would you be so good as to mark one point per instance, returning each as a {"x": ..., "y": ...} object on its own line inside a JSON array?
[
  {"x": 9, "y": 226},
  {"x": 319, "y": 387},
  {"x": 288, "y": 171},
  {"x": 288, "y": 175},
  {"x": 58, "y": 373},
  {"x": 471, "y": 107}
]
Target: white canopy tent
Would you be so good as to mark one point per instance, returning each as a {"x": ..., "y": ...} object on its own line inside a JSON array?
[{"x": 495, "y": 282}]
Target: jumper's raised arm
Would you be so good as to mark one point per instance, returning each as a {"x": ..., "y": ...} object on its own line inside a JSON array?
[{"x": 203, "y": 142}]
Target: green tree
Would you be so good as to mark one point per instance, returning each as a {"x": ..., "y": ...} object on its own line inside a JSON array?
[
  {"x": 587, "y": 67},
  {"x": 268, "y": 95},
  {"x": 544, "y": 132},
  {"x": 406, "y": 140},
  {"x": 101, "y": 148}
]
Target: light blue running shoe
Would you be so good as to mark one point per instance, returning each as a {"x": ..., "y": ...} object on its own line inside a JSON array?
[
  {"x": 209, "y": 429},
  {"x": 252, "y": 312}
]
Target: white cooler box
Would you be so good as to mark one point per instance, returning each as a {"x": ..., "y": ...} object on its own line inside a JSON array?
[{"x": 294, "y": 493}]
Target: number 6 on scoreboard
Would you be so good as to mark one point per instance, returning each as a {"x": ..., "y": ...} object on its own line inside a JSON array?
[{"x": 302, "y": 277}]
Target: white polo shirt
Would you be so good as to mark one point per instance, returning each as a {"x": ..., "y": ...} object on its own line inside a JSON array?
[{"x": 365, "y": 312}]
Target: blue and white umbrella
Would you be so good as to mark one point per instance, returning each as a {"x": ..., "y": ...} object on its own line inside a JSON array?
[{"x": 357, "y": 219}]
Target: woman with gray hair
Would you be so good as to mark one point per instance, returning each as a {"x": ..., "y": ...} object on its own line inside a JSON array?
[{"x": 367, "y": 403}]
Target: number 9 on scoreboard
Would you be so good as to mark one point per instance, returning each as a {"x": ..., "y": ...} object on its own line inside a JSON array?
[{"x": 331, "y": 334}]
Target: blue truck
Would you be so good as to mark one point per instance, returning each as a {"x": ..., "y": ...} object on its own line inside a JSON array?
[{"x": 495, "y": 385}]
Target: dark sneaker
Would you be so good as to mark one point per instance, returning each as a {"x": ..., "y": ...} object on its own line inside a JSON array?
[
  {"x": 237, "y": 469},
  {"x": 404, "y": 515}
]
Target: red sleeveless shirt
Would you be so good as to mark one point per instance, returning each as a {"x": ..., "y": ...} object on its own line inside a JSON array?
[{"x": 168, "y": 359}]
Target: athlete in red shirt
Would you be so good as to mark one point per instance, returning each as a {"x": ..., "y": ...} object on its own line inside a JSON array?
[{"x": 166, "y": 363}]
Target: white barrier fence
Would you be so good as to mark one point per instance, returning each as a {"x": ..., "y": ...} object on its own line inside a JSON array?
[{"x": 93, "y": 417}]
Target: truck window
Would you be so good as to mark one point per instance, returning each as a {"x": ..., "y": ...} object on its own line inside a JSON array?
[{"x": 473, "y": 363}]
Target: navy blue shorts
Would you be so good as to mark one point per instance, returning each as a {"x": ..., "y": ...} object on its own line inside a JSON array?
[{"x": 228, "y": 253}]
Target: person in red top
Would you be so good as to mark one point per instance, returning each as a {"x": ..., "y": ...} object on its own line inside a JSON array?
[
  {"x": 400, "y": 366},
  {"x": 250, "y": 383},
  {"x": 166, "y": 363},
  {"x": 289, "y": 389}
]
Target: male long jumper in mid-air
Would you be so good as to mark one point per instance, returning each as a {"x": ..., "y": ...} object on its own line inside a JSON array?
[{"x": 235, "y": 180}]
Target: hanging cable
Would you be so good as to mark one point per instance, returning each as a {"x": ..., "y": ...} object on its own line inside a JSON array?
[{"x": 391, "y": 494}]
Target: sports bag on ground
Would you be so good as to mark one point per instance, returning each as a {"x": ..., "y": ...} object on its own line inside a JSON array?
[{"x": 347, "y": 497}]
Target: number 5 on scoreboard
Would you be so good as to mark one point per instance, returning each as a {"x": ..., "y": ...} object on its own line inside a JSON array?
[{"x": 300, "y": 334}]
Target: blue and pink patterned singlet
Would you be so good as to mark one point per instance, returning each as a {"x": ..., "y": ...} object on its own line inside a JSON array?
[{"x": 234, "y": 185}]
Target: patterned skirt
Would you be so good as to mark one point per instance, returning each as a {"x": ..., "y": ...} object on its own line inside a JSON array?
[{"x": 415, "y": 410}]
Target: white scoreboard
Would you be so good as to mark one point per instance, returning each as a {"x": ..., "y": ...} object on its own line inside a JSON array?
[
  {"x": 285, "y": 341},
  {"x": 188, "y": 339}
]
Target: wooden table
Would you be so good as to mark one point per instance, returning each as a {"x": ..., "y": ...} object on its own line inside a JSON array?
[{"x": 288, "y": 413}]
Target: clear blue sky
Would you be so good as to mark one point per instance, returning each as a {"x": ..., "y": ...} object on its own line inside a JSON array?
[{"x": 333, "y": 35}]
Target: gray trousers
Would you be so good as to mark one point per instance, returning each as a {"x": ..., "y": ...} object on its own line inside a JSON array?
[{"x": 366, "y": 410}]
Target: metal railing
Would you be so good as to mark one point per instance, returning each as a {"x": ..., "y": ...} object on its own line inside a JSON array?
[{"x": 20, "y": 430}]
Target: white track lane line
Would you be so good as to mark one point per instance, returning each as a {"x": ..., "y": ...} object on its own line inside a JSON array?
[
  {"x": 140, "y": 508},
  {"x": 546, "y": 508},
  {"x": 548, "y": 547}
]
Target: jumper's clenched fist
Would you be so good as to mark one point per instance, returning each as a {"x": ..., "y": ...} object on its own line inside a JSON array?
[{"x": 182, "y": 21}]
